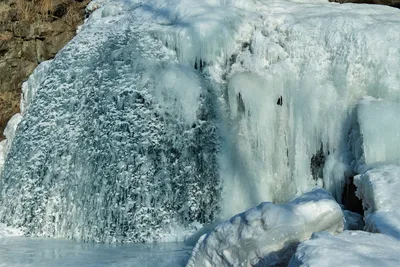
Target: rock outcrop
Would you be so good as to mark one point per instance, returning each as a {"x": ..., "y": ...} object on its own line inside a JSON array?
[{"x": 31, "y": 31}]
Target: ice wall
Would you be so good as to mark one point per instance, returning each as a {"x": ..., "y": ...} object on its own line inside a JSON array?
[
  {"x": 375, "y": 135},
  {"x": 118, "y": 144},
  {"x": 293, "y": 83}
]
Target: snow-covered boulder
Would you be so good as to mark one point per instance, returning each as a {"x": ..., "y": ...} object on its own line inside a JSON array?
[
  {"x": 350, "y": 248},
  {"x": 269, "y": 233},
  {"x": 379, "y": 190},
  {"x": 375, "y": 135}
]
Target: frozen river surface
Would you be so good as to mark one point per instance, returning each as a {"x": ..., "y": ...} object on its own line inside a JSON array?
[{"x": 24, "y": 252}]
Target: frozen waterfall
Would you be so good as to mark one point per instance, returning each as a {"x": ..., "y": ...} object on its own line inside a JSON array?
[{"x": 162, "y": 116}]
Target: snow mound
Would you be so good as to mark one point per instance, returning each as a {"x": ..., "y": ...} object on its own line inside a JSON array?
[
  {"x": 350, "y": 248},
  {"x": 379, "y": 190},
  {"x": 268, "y": 233}
]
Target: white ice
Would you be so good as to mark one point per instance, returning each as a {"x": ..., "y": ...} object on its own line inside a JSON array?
[
  {"x": 320, "y": 57},
  {"x": 375, "y": 134},
  {"x": 350, "y": 248},
  {"x": 379, "y": 190},
  {"x": 267, "y": 234}
]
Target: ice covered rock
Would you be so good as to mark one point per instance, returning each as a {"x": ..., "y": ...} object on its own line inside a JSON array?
[
  {"x": 268, "y": 234},
  {"x": 379, "y": 190},
  {"x": 350, "y": 248}
]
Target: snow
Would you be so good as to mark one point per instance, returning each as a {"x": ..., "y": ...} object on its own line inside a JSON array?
[
  {"x": 268, "y": 233},
  {"x": 379, "y": 190},
  {"x": 182, "y": 112},
  {"x": 350, "y": 248}
]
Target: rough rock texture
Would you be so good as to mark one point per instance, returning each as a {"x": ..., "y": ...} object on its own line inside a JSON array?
[
  {"x": 31, "y": 31},
  {"x": 393, "y": 3}
]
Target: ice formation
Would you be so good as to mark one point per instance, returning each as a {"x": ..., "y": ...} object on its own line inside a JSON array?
[
  {"x": 379, "y": 190},
  {"x": 374, "y": 139},
  {"x": 267, "y": 234},
  {"x": 350, "y": 248},
  {"x": 177, "y": 112}
]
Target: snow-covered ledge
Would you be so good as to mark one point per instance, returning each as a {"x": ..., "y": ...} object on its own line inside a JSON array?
[{"x": 269, "y": 233}]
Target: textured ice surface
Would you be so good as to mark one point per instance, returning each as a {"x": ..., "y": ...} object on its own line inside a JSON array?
[
  {"x": 379, "y": 190},
  {"x": 118, "y": 143},
  {"x": 30, "y": 87},
  {"x": 350, "y": 248},
  {"x": 155, "y": 104},
  {"x": 267, "y": 234},
  {"x": 36, "y": 252}
]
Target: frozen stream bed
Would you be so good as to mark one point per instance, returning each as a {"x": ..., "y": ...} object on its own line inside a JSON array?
[{"x": 36, "y": 252}]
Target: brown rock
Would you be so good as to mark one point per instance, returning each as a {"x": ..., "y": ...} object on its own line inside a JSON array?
[
  {"x": 29, "y": 50},
  {"x": 31, "y": 32}
]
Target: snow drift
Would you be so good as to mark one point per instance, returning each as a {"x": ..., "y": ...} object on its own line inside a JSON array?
[{"x": 267, "y": 234}]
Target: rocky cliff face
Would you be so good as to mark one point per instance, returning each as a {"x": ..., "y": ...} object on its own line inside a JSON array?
[{"x": 31, "y": 31}]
